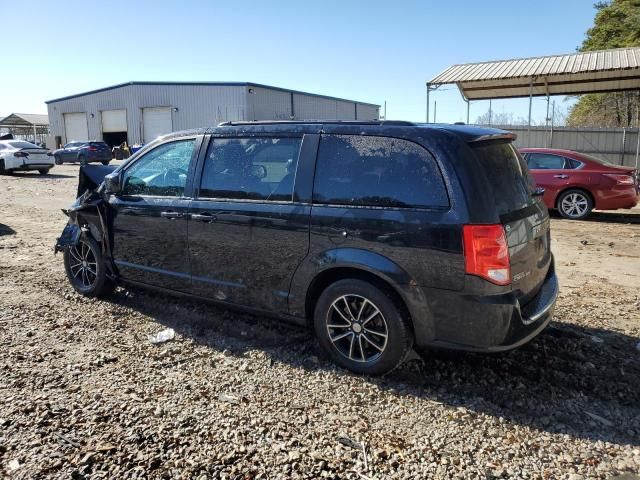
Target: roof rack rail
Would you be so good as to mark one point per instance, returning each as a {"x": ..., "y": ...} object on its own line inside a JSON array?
[{"x": 316, "y": 122}]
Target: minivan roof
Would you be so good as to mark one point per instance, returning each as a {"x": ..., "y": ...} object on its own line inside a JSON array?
[{"x": 467, "y": 133}]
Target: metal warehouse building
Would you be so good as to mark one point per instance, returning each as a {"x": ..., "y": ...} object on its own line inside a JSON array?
[{"x": 138, "y": 112}]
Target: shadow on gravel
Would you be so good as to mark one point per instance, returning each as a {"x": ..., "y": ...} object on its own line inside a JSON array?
[
  {"x": 37, "y": 175},
  {"x": 605, "y": 217},
  {"x": 6, "y": 230},
  {"x": 613, "y": 217},
  {"x": 573, "y": 380}
]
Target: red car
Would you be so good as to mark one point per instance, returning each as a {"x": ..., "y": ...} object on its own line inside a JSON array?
[{"x": 576, "y": 183}]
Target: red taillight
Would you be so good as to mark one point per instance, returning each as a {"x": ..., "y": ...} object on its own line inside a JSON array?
[
  {"x": 620, "y": 179},
  {"x": 486, "y": 253},
  {"x": 92, "y": 149}
]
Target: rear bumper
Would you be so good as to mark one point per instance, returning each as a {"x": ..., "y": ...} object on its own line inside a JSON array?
[
  {"x": 99, "y": 157},
  {"x": 19, "y": 165},
  {"x": 487, "y": 323},
  {"x": 619, "y": 196}
]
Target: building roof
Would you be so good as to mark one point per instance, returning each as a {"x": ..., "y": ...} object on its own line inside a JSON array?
[
  {"x": 584, "y": 72},
  {"x": 24, "y": 120},
  {"x": 218, "y": 84}
]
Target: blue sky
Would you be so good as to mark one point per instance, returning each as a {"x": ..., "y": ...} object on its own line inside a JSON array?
[{"x": 365, "y": 50}]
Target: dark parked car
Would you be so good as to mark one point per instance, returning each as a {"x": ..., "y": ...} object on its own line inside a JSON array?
[
  {"x": 380, "y": 235},
  {"x": 83, "y": 152},
  {"x": 576, "y": 183}
]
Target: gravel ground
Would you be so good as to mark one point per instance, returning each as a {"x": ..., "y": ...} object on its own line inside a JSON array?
[{"x": 84, "y": 394}]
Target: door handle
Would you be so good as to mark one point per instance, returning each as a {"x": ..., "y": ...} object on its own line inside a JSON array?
[
  {"x": 561, "y": 176},
  {"x": 203, "y": 217},
  {"x": 171, "y": 215}
]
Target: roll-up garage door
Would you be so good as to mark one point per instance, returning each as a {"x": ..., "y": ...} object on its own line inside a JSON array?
[
  {"x": 156, "y": 121},
  {"x": 114, "y": 120},
  {"x": 75, "y": 127}
]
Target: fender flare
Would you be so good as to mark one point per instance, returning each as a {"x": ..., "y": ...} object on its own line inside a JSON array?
[{"x": 371, "y": 263}]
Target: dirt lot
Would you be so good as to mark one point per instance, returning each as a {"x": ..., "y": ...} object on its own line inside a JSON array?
[{"x": 83, "y": 393}]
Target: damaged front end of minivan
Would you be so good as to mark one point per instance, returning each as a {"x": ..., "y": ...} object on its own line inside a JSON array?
[{"x": 89, "y": 214}]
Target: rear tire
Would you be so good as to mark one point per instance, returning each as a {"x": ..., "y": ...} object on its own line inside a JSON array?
[
  {"x": 82, "y": 159},
  {"x": 44, "y": 171},
  {"x": 361, "y": 328},
  {"x": 57, "y": 160},
  {"x": 105, "y": 162},
  {"x": 574, "y": 204},
  {"x": 86, "y": 270}
]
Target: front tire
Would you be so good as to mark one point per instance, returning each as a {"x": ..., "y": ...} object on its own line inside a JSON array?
[
  {"x": 361, "y": 328},
  {"x": 574, "y": 204},
  {"x": 43, "y": 171},
  {"x": 85, "y": 268},
  {"x": 106, "y": 162}
]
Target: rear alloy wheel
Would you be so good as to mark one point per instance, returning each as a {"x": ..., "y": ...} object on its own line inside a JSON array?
[
  {"x": 575, "y": 204},
  {"x": 85, "y": 268},
  {"x": 361, "y": 328}
]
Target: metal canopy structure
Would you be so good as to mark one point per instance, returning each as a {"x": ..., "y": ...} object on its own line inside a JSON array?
[
  {"x": 612, "y": 70},
  {"x": 26, "y": 124},
  {"x": 576, "y": 73}
]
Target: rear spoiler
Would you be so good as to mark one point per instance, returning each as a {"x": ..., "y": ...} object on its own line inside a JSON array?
[{"x": 495, "y": 136}]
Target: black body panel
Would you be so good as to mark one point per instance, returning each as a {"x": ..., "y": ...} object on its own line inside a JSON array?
[{"x": 267, "y": 255}]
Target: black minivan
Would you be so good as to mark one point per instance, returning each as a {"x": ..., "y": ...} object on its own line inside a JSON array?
[{"x": 380, "y": 235}]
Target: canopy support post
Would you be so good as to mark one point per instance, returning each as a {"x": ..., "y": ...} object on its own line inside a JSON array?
[
  {"x": 638, "y": 135},
  {"x": 468, "y": 102},
  {"x": 428, "y": 88},
  {"x": 530, "y": 105}
]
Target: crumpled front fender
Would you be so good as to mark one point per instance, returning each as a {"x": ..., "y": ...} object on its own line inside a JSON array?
[{"x": 70, "y": 237}]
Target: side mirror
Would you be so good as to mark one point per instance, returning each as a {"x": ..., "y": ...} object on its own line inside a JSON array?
[{"x": 113, "y": 183}]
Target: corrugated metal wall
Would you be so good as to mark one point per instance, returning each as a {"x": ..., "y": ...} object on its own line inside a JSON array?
[
  {"x": 197, "y": 106},
  {"x": 605, "y": 143},
  {"x": 368, "y": 112},
  {"x": 268, "y": 104}
]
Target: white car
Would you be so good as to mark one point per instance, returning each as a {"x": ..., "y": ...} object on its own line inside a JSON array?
[{"x": 18, "y": 155}]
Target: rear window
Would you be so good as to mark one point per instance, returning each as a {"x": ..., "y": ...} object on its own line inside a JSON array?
[
  {"x": 507, "y": 174},
  {"x": 378, "y": 172}
]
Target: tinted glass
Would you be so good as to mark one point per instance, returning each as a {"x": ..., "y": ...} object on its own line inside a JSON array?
[
  {"x": 377, "y": 171},
  {"x": 601, "y": 161},
  {"x": 570, "y": 163},
  {"x": 162, "y": 171},
  {"x": 74, "y": 144},
  {"x": 250, "y": 168},
  {"x": 507, "y": 175},
  {"x": 545, "y": 161}
]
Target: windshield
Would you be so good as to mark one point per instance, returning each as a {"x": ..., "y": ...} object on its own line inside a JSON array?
[
  {"x": 507, "y": 174},
  {"x": 23, "y": 145},
  {"x": 598, "y": 160}
]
